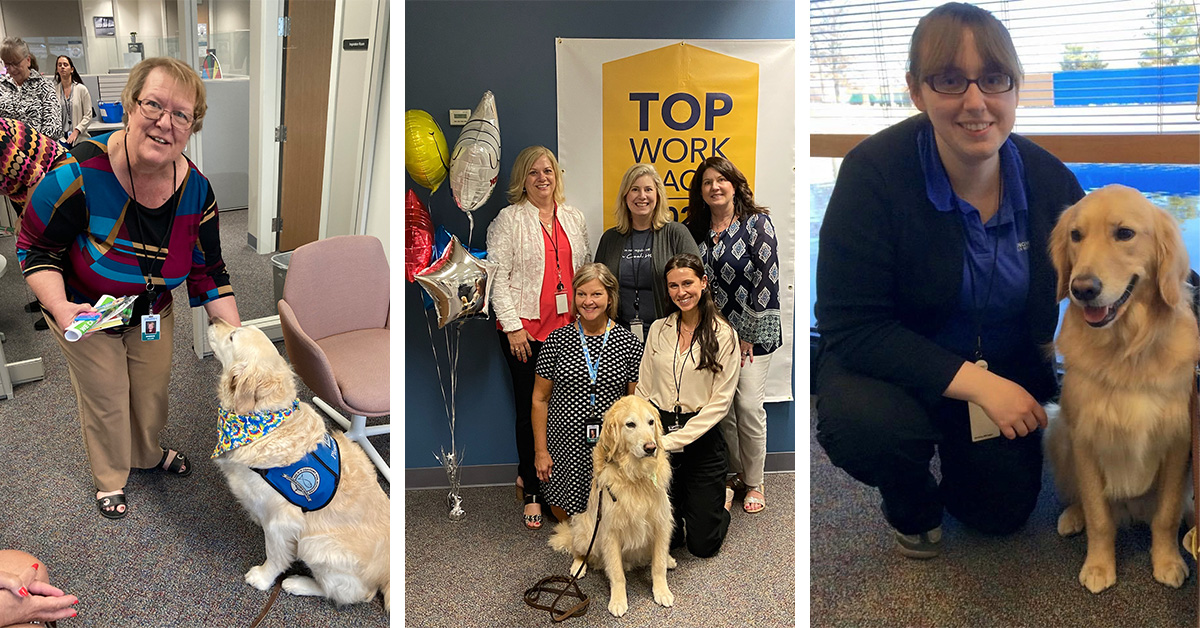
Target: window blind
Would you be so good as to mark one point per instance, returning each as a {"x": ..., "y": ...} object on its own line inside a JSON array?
[{"x": 1091, "y": 67}]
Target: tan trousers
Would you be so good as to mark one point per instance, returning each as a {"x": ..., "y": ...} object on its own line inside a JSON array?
[
  {"x": 120, "y": 387},
  {"x": 745, "y": 427}
]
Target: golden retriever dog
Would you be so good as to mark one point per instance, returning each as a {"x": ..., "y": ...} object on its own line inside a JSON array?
[
  {"x": 630, "y": 476},
  {"x": 1129, "y": 343},
  {"x": 346, "y": 543}
]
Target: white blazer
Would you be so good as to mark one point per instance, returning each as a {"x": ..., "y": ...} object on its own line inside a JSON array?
[{"x": 514, "y": 241}]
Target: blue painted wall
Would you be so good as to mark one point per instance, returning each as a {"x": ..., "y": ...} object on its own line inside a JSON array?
[
  {"x": 456, "y": 50},
  {"x": 1127, "y": 86}
]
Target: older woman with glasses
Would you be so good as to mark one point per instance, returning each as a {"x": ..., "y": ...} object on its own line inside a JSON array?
[
  {"x": 936, "y": 296},
  {"x": 25, "y": 94},
  {"x": 128, "y": 215}
]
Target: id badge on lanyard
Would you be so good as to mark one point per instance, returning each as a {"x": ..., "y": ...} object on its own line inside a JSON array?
[{"x": 150, "y": 327}]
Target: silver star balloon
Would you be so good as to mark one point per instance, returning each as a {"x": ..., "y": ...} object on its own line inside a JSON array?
[{"x": 459, "y": 283}]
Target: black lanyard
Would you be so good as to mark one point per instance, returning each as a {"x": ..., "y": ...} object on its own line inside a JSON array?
[
  {"x": 677, "y": 379},
  {"x": 976, "y": 309},
  {"x": 148, "y": 267},
  {"x": 554, "y": 243},
  {"x": 635, "y": 263}
]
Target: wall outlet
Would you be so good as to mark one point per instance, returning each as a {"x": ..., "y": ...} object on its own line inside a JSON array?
[{"x": 459, "y": 117}]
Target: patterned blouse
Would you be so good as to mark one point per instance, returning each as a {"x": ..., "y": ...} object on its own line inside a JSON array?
[
  {"x": 743, "y": 271},
  {"x": 33, "y": 102}
]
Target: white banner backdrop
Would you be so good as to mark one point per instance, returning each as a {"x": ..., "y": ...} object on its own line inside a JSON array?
[{"x": 673, "y": 103}]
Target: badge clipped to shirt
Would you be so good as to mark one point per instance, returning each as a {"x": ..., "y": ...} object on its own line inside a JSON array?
[
  {"x": 635, "y": 327},
  {"x": 150, "y": 329},
  {"x": 982, "y": 427},
  {"x": 560, "y": 302},
  {"x": 591, "y": 431},
  {"x": 674, "y": 426}
]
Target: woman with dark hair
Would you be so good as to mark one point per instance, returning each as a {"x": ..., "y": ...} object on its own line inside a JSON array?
[
  {"x": 637, "y": 249},
  {"x": 737, "y": 243},
  {"x": 75, "y": 100},
  {"x": 25, "y": 94},
  {"x": 689, "y": 371},
  {"x": 936, "y": 295}
]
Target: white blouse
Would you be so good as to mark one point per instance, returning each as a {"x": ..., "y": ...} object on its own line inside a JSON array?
[{"x": 514, "y": 241}]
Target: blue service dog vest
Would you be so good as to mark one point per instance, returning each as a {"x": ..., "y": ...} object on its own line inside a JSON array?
[{"x": 310, "y": 482}]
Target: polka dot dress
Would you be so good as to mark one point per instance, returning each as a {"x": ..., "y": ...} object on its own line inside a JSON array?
[{"x": 561, "y": 361}]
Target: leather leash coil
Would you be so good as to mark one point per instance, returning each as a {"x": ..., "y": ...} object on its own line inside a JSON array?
[{"x": 580, "y": 609}]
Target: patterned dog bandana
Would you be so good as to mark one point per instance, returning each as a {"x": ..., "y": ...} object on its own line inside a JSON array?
[{"x": 235, "y": 430}]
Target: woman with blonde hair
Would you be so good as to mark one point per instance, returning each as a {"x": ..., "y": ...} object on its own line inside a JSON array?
[
  {"x": 637, "y": 249},
  {"x": 581, "y": 370},
  {"x": 537, "y": 243},
  {"x": 128, "y": 215}
]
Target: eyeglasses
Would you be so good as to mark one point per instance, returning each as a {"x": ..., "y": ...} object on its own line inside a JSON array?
[
  {"x": 12, "y": 65},
  {"x": 153, "y": 111},
  {"x": 956, "y": 84}
]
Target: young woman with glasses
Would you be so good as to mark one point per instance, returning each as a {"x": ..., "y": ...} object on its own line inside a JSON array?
[
  {"x": 127, "y": 214},
  {"x": 936, "y": 296}
]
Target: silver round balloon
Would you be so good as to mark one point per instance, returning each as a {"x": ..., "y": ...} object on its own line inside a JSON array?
[{"x": 459, "y": 283}]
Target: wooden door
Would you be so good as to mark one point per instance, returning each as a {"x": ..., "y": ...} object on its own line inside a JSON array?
[{"x": 307, "y": 54}]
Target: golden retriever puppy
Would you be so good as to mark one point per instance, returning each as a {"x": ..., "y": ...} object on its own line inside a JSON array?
[
  {"x": 346, "y": 542},
  {"x": 1129, "y": 343},
  {"x": 630, "y": 476}
]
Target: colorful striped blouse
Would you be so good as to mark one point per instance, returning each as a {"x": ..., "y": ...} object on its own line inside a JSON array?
[{"x": 80, "y": 222}]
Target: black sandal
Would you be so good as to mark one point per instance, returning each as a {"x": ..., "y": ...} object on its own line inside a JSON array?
[
  {"x": 180, "y": 461},
  {"x": 532, "y": 522},
  {"x": 114, "y": 502}
]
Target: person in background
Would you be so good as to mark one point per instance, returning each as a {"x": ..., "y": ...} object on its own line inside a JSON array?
[
  {"x": 935, "y": 290},
  {"x": 25, "y": 94},
  {"x": 26, "y": 596},
  {"x": 128, "y": 214},
  {"x": 537, "y": 243},
  {"x": 637, "y": 249},
  {"x": 741, "y": 254},
  {"x": 75, "y": 100},
  {"x": 689, "y": 371},
  {"x": 581, "y": 370}
]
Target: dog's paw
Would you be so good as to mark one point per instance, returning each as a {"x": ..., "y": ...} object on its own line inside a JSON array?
[
  {"x": 1071, "y": 522},
  {"x": 663, "y": 596},
  {"x": 260, "y": 577},
  {"x": 302, "y": 585},
  {"x": 1097, "y": 578},
  {"x": 670, "y": 562},
  {"x": 618, "y": 605},
  {"x": 1171, "y": 571},
  {"x": 579, "y": 565}
]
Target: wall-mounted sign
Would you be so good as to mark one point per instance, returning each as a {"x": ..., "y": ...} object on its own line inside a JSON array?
[
  {"x": 354, "y": 44},
  {"x": 105, "y": 26}
]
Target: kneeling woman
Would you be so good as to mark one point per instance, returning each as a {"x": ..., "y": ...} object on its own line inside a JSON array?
[
  {"x": 581, "y": 370},
  {"x": 689, "y": 370}
]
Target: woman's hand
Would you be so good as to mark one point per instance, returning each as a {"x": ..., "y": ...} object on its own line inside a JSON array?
[
  {"x": 18, "y": 583},
  {"x": 26, "y": 599},
  {"x": 543, "y": 464},
  {"x": 747, "y": 352},
  {"x": 73, "y": 136},
  {"x": 518, "y": 344},
  {"x": 64, "y": 313},
  {"x": 1006, "y": 403}
]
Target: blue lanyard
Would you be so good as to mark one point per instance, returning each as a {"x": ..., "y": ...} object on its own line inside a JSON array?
[{"x": 593, "y": 368}]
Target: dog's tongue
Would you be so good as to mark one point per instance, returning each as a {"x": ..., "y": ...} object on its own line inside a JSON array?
[{"x": 1094, "y": 314}]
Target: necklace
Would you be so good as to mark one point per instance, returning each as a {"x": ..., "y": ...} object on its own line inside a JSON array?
[{"x": 148, "y": 268}]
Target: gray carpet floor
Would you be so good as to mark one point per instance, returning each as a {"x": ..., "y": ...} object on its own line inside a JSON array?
[
  {"x": 178, "y": 558},
  {"x": 1027, "y": 579},
  {"x": 474, "y": 572}
]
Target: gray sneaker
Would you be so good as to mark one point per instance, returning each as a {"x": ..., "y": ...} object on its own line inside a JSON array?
[{"x": 920, "y": 546}]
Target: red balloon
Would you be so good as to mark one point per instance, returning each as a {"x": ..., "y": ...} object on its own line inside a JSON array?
[{"x": 418, "y": 236}]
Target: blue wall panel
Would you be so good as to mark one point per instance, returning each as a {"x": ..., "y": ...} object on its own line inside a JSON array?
[{"x": 456, "y": 50}]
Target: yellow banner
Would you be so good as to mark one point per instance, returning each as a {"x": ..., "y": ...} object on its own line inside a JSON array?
[{"x": 674, "y": 107}]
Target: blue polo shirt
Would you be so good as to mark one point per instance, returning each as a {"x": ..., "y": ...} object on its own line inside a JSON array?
[{"x": 996, "y": 253}]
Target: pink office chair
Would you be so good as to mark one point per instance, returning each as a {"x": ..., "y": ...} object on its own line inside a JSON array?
[{"x": 335, "y": 317}]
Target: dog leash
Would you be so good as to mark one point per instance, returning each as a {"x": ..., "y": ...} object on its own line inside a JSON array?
[
  {"x": 271, "y": 600},
  {"x": 570, "y": 589}
]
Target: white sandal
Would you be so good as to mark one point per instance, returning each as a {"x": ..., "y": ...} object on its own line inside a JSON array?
[{"x": 751, "y": 499}]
